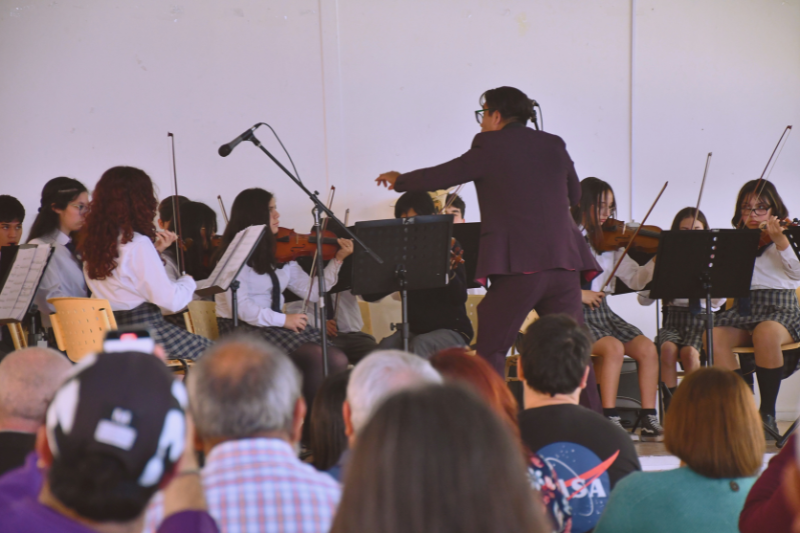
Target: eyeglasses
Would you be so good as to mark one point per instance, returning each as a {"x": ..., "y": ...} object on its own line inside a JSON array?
[
  {"x": 759, "y": 211},
  {"x": 479, "y": 114},
  {"x": 82, "y": 208}
]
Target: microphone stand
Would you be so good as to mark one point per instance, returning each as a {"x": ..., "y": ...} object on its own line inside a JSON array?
[{"x": 319, "y": 208}]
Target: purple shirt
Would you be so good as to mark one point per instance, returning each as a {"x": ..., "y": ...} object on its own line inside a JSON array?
[{"x": 22, "y": 482}]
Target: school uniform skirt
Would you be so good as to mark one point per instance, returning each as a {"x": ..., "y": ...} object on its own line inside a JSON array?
[
  {"x": 283, "y": 338},
  {"x": 603, "y": 322},
  {"x": 777, "y": 305},
  {"x": 178, "y": 343},
  {"x": 683, "y": 329}
]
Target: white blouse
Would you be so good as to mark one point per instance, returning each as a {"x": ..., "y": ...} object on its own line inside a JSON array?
[
  {"x": 140, "y": 277},
  {"x": 776, "y": 270},
  {"x": 255, "y": 293},
  {"x": 629, "y": 271},
  {"x": 63, "y": 276}
]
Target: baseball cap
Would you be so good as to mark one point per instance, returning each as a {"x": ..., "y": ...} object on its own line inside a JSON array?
[{"x": 124, "y": 405}]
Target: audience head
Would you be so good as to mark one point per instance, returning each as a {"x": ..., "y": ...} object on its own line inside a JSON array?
[
  {"x": 114, "y": 432},
  {"x": 412, "y": 204},
  {"x": 242, "y": 388},
  {"x": 713, "y": 426},
  {"x": 328, "y": 439},
  {"x": 457, "y": 208},
  {"x": 28, "y": 380},
  {"x": 166, "y": 210},
  {"x": 503, "y": 105},
  {"x": 123, "y": 202},
  {"x": 436, "y": 458},
  {"x": 64, "y": 204},
  {"x": 12, "y": 215},
  {"x": 378, "y": 376},
  {"x": 455, "y": 365},
  {"x": 555, "y": 357}
]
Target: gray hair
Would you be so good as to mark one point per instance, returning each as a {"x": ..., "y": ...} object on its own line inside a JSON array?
[
  {"x": 382, "y": 374},
  {"x": 28, "y": 380},
  {"x": 243, "y": 386}
]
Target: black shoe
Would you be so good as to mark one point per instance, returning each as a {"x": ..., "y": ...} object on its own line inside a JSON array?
[
  {"x": 769, "y": 422},
  {"x": 617, "y": 421},
  {"x": 651, "y": 429}
]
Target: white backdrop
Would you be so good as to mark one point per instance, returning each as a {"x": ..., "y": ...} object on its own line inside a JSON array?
[{"x": 640, "y": 90}]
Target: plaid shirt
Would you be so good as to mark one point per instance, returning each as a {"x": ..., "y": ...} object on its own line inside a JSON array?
[{"x": 259, "y": 485}]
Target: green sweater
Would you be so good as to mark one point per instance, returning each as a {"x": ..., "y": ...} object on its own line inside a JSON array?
[{"x": 675, "y": 500}]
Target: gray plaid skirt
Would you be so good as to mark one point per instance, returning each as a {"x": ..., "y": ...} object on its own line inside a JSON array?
[
  {"x": 603, "y": 322},
  {"x": 178, "y": 343},
  {"x": 776, "y": 305},
  {"x": 284, "y": 338},
  {"x": 683, "y": 329}
]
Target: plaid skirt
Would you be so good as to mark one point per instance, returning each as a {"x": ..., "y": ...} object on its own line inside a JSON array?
[
  {"x": 776, "y": 305},
  {"x": 603, "y": 322},
  {"x": 683, "y": 329},
  {"x": 176, "y": 320},
  {"x": 178, "y": 343},
  {"x": 283, "y": 338}
]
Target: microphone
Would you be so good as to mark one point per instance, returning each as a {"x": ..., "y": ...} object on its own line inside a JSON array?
[{"x": 226, "y": 149}]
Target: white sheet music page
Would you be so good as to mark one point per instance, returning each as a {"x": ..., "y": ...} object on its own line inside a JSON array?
[
  {"x": 22, "y": 281},
  {"x": 232, "y": 260}
]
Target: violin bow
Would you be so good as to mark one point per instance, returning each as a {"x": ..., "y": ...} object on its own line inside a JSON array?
[
  {"x": 176, "y": 213},
  {"x": 758, "y": 192},
  {"x": 336, "y": 305},
  {"x": 633, "y": 237},
  {"x": 222, "y": 208},
  {"x": 331, "y": 194},
  {"x": 453, "y": 196},
  {"x": 702, "y": 185}
]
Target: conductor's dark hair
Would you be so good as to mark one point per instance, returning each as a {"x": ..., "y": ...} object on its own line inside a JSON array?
[
  {"x": 11, "y": 209},
  {"x": 420, "y": 202},
  {"x": 456, "y": 202},
  {"x": 555, "y": 354},
  {"x": 688, "y": 212},
  {"x": 769, "y": 196},
  {"x": 587, "y": 212},
  {"x": 57, "y": 194},
  {"x": 251, "y": 208},
  {"x": 513, "y": 104}
]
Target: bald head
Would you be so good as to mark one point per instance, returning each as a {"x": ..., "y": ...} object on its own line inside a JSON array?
[
  {"x": 242, "y": 387},
  {"x": 28, "y": 380}
]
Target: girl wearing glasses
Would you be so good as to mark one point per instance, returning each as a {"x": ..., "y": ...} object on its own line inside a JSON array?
[
  {"x": 61, "y": 215},
  {"x": 770, "y": 317},
  {"x": 614, "y": 338}
]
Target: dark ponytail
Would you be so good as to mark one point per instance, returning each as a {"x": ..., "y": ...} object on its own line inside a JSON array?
[{"x": 57, "y": 194}]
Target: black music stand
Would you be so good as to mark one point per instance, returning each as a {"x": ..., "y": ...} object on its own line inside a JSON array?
[
  {"x": 793, "y": 234},
  {"x": 416, "y": 255},
  {"x": 703, "y": 265},
  {"x": 468, "y": 236}
]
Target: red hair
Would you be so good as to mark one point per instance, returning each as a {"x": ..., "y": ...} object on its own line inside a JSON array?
[
  {"x": 123, "y": 202},
  {"x": 456, "y": 365}
]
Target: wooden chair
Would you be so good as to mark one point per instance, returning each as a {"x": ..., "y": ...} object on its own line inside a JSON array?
[
  {"x": 80, "y": 325},
  {"x": 365, "y": 316},
  {"x": 201, "y": 319},
  {"x": 18, "y": 336},
  {"x": 472, "y": 313}
]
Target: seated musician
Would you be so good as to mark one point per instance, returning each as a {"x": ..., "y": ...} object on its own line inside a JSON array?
[
  {"x": 457, "y": 208},
  {"x": 437, "y": 317},
  {"x": 12, "y": 214}
]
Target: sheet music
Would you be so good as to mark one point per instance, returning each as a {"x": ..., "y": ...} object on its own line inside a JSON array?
[
  {"x": 233, "y": 258},
  {"x": 22, "y": 281}
]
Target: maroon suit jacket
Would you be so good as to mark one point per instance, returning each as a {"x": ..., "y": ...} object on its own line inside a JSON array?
[{"x": 526, "y": 183}]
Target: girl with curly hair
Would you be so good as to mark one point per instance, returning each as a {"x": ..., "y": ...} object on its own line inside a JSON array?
[{"x": 122, "y": 262}]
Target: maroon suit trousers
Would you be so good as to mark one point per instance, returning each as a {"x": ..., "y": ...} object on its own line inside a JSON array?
[{"x": 507, "y": 303}]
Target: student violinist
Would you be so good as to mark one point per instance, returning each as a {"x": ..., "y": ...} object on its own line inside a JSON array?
[
  {"x": 122, "y": 262},
  {"x": 12, "y": 215},
  {"x": 770, "y": 317},
  {"x": 613, "y": 337}
]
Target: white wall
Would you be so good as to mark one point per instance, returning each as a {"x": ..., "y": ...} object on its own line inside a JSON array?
[{"x": 640, "y": 90}]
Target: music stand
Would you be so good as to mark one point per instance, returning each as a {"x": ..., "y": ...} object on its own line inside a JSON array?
[
  {"x": 793, "y": 234},
  {"x": 468, "y": 236},
  {"x": 416, "y": 255},
  {"x": 704, "y": 265}
]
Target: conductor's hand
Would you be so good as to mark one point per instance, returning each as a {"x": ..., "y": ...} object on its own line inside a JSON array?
[
  {"x": 592, "y": 299},
  {"x": 387, "y": 179},
  {"x": 775, "y": 231},
  {"x": 345, "y": 249},
  {"x": 296, "y": 322},
  {"x": 164, "y": 239},
  {"x": 330, "y": 325}
]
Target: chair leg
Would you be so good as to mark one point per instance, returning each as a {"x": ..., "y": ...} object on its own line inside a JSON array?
[{"x": 780, "y": 440}]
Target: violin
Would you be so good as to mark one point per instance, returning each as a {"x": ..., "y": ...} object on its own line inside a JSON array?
[
  {"x": 617, "y": 234},
  {"x": 291, "y": 245},
  {"x": 456, "y": 254},
  {"x": 766, "y": 240}
]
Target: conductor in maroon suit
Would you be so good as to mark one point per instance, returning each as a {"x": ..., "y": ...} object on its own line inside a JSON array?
[{"x": 530, "y": 248}]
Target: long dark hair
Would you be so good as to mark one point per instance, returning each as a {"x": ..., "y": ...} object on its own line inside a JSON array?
[
  {"x": 196, "y": 216},
  {"x": 769, "y": 195},
  {"x": 251, "y": 208},
  {"x": 57, "y": 194},
  {"x": 437, "y": 459},
  {"x": 592, "y": 192},
  {"x": 688, "y": 212},
  {"x": 328, "y": 440}
]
